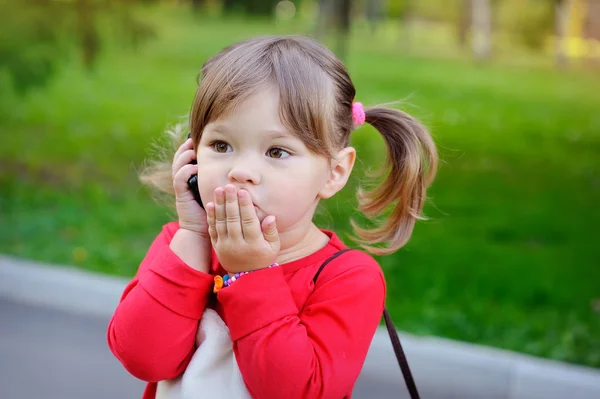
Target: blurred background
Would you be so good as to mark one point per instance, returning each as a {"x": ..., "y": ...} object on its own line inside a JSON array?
[{"x": 509, "y": 88}]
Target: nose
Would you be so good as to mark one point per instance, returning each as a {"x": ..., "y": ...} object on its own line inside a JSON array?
[{"x": 244, "y": 171}]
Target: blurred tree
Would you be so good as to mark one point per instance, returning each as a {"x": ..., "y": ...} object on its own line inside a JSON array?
[
  {"x": 529, "y": 22},
  {"x": 482, "y": 29},
  {"x": 252, "y": 7},
  {"x": 562, "y": 8},
  {"x": 343, "y": 27},
  {"x": 37, "y": 35},
  {"x": 402, "y": 11},
  {"x": 406, "y": 18},
  {"x": 592, "y": 30},
  {"x": 592, "y": 20},
  {"x": 87, "y": 32},
  {"x": 229, "y": 5},
  {"x": 197, "y": 5},
  {"x": 397, "y": 8},
  {"x": 132, "y": 31},
  {"x": 375, "y": 12},
  {"x": 335, "y": 15},
  {"x": 30, "y": 44},
  {"x": 324, "y": 17},
  {"x": 464, "y": 22},
  {"x": 261, "y": 7}
]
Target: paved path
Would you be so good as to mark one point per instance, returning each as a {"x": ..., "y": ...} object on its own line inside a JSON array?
[
  {"x": 51, "y": 354},
  {"x": 52, "y": 345}
]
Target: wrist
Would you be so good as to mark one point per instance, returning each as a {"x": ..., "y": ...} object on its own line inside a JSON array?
[
  {"x": 228, "y": 279},
  {"x": 193, "y": 248},
  {"x": 194, "y": 228}
]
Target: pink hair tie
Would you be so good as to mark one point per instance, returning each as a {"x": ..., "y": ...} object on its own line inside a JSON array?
[{"x": 358, "y": 114}]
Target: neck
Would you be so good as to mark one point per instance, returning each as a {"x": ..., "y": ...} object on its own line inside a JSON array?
[{"x": 301, "y": 241}]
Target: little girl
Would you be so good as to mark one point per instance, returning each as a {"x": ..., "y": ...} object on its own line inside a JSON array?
[{"x": 226, "y": 302}]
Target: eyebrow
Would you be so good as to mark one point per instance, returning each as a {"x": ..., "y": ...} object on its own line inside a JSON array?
[
  {"x": 273, "y": 133},
  {"x": 276, "y": 134}
]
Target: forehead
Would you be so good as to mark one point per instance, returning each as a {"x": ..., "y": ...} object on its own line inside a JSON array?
[
  {"x": 262, "y": 103},
  {"x": 260, "y": 109}
]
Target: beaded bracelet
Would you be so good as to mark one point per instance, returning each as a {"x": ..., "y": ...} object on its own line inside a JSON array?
[{"x": 227, "y": 280}]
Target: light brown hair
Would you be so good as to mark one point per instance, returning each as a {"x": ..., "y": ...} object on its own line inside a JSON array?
[{"x": 316, "y": 96}]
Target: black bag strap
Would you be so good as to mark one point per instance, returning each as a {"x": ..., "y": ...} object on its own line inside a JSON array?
[{"x": 400, "y": 356}]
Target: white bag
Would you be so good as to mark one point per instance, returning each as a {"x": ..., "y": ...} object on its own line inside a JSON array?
[{"x": 213, "y": 371}]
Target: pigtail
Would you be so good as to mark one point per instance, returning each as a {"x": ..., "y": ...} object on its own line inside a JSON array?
[{"x": 412, "y": 164}]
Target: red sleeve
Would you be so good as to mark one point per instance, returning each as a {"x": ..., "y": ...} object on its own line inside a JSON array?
[
  {"x": 316, "y": 352},
  {"x": 153, "y": 329}
]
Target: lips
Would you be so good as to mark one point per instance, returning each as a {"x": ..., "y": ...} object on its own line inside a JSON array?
[
  {"x": 257, "y": 208},
  {"x": 259, "y": 213},
  {"x": 251, "y": 197}
]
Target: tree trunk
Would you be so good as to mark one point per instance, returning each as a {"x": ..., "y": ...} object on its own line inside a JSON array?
[
  {"x": 482, "y": 29},
  {"x": 197, "y": 5},
  {"x": 406, "y": 26},
  {"x": 323, "y": 18},
  {"x": 464, "y": 22},
  {"x": 88, "y": 35},
  {"x": 592, "y": 20},
  {"x": 229, "y": 5},
  {"x": 375, "y": 11},
  {"x": 592, "y": 30},
  {"x": 562, "y": 19},
  {"x": 343, "y": 27}
]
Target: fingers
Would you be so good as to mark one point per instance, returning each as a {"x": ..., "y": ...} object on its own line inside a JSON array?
[
  {"x": 184, "y": 155},
  {"x": 184, "y": 159},
  {"x": 181, "y": 177},
  {"x": 212, "y": 223},
  {"x": 186, "y": 145},
  {"x": 232, "y": 215},
  {"x": 220, "y": 215},
  {"x": 269, "y": 229},
  {"x": 232, "y": 212},
  {"x": 249, "y": 221}
]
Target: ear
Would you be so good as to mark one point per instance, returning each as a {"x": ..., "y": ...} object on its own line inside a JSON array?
[{"x": 339, "y": 171}]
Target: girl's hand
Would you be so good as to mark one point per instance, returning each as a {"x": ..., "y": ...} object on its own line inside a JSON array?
[
  {"x": 191, "y": 215},
  {"x": 242, "y": 244}
]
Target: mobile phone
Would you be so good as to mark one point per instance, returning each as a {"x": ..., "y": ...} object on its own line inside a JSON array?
[{"x": 193, "y": 184}]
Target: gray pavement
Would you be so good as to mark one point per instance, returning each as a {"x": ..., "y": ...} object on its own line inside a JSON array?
[
  {"x": 52, "y": 345},
  {"x": 51, "y": 354}
]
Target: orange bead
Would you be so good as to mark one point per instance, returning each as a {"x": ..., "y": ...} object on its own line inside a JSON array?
[{"x": 218, "y": 284}]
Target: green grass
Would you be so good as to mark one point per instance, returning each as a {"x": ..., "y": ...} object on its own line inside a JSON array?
[{"x": 508, "y": 258}]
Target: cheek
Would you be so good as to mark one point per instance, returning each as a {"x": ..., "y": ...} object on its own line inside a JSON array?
[
  {"x": 208, "y": 181},
  {"x": 293, "y": 196}
]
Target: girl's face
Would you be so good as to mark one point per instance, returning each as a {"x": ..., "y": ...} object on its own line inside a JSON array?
[{"x": 251, "y": 149}]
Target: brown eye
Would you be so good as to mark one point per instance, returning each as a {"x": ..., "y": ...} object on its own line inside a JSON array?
[
  {"x": 221, "y": 146},
  {"x": 277, "y": 153}
]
